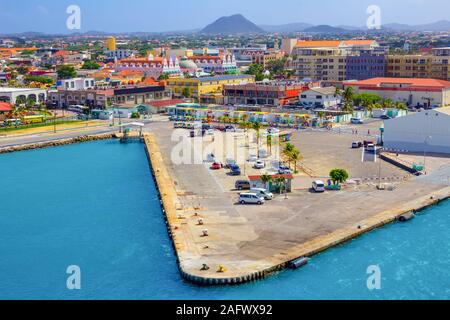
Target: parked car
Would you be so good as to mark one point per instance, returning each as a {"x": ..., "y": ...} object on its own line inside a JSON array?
[
  {"x": 230, "y": 129},
  {"x": 259, "y": 164},
  {"x": 216, "y": 166},
  {"x": 242, "y": 185},
  {"x": 210, "y": 158},
  {"x": 357, "y": 145},
  {"x": 371, "y": 148},
  {"x": 356, "y": 121},
  {"x": 273, "y": 130},
  {"x": 251, "y": 198},
  {"x": 235, "y": 170},
  {"x": 385, "y": 117},
  {"x": 253, "y": 158},
  {"x": 284, "y": 170},
  {"x": 318, "y": 186},
  {"x": 229, "y": 163},
  {"x": 262, "y": 193}
]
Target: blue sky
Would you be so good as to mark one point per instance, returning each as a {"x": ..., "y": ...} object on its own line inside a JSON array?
[{"x": 168, "y": 15}]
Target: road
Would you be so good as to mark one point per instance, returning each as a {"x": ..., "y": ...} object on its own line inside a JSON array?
[{"x": 62, "y": 134}]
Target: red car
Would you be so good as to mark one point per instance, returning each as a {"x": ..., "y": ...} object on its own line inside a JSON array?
[{"x": 216, "y": 166}]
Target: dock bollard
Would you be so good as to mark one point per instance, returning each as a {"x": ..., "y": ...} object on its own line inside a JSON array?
[
  {"x": 205, "y": 233},
  {"x": 221, "y": 269}
]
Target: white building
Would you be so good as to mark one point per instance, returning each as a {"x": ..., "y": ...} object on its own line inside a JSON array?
[
  {"x": 415, "y": 92},
  {"x": 119, "y": 53},
  {"x": 11, "y": 95},
  {"x": 425, "y": 131},
  {"x": 324, "y": 97},
  {"x": 77, "y": 84},
  {"x": 218, "y": 64},
  {"x": 152, "y": 66}
]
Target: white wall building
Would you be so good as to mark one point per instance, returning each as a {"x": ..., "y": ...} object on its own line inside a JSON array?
[
  {"x": 119, "y": 53},
  {"x": 325, "y": 97},
  {"x": 12, "y": 94},
  {"x": 77, "y": 84},
  {"x": 425, "y": 131},
  {"x": 413, "y": 92},
  {"x": 152, "y": 66}
]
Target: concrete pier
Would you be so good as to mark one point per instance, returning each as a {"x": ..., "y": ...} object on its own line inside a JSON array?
[{"x": 247, "y": 252}]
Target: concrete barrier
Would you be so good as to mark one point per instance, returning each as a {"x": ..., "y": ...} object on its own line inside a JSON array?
[{"x": 56, "y": 143}]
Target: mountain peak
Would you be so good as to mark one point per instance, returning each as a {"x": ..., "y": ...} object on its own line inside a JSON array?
[{"x": 234, "y": 24}]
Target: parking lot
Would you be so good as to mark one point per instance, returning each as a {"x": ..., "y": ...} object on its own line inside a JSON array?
[
  {"x": 324, "y": 150},
  {"x": 249, "y": 237}
]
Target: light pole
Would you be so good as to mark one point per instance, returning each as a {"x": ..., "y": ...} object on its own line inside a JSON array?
[
  {"x": 379, "y": 169},
  {"x": 285, "y": 189},
  {"x": 54, "y": 122},
  {"x": 426, "y": 142}
]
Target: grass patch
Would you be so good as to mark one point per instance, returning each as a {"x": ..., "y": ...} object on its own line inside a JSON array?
[{"x": 39, "y": 125}]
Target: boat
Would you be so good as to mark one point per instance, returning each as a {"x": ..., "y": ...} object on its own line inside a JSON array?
[{"x": 298, "y": 263}]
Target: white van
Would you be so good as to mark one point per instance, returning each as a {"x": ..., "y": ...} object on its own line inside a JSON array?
[
  {"x": 371, "y": 148},
  {"x": 318, "y": 186},
  {"x": 262, "y": 193},
  {"x": 356, "y": 121},
  {"x": 252, "y": 198}
]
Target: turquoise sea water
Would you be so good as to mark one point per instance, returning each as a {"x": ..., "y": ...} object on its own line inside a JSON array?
[{"x": 94, "y": 205}]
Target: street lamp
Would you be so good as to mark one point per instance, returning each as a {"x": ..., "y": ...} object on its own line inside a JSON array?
[
  {"x": 426, "y": 142},
  {"x": 382, "y": 134},
  {"x": 285, "y": 189},
  {"x": 379, "y": 169}
]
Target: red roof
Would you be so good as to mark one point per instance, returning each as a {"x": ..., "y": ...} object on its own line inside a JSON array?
[
  {"x": 165, "y": 103},
  {"x": 61, "y": 53},
  {"x": 284, "y": 176},
  {"x": 5, "y": 106},
  {"x": 416, "y": 82}
]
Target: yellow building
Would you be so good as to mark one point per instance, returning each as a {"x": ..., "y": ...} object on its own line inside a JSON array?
[
  {"x": 266, "y": 57},
  {"x": 111, "y": 44},
  {"x": 409, "y": 66},
  {"x": 441, "y": 63},
  {"x": 328, "y": 64},
  {"x": 198, "y": 87}
]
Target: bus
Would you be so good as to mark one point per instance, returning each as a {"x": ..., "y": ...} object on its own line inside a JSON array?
[
  {"x": 33, "y": 119},
  {"x": 78, "y": 109}
]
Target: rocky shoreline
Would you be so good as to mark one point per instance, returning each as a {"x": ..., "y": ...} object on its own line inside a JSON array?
[{"x": 56, "y": 143}]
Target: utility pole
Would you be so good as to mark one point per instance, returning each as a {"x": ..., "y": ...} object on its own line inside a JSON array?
[
  {"x": 54, "y": 122},
  {"x": 379, "y": 169}
]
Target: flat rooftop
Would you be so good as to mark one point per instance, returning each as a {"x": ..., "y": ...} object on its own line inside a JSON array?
[{"x": 5, "y": 90}]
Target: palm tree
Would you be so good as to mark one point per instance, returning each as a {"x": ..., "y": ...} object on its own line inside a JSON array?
[
  {"x": 287, "y": 152},
  {"x": 269, "y": 143},
  {"x": 295, "y": 157},
  {"x": 321, "y": 115},
  {"x": 257, "y": 126},
  {"x": 266, "y": 179},
  {"x": 348, "y": 95},
  {"x": 400, "y": 105},
  {"x": 387, "y": 103},
  {"x": 246, "y": 126},
  {"x": 348, "y": 107},
  {"x": 281, "y": 183}
]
